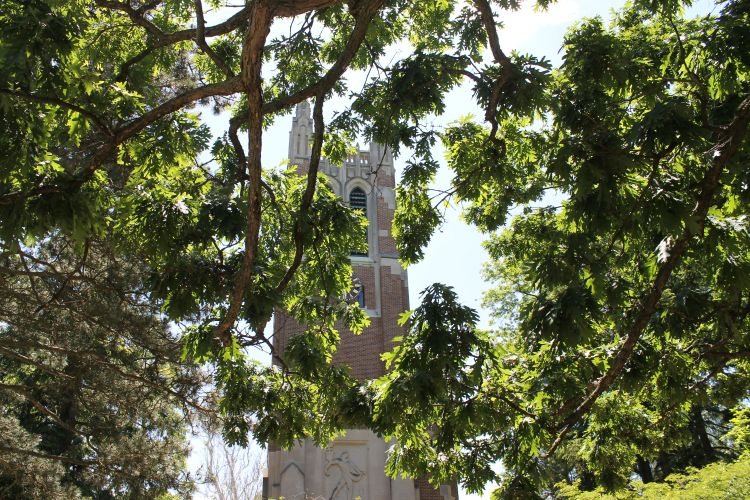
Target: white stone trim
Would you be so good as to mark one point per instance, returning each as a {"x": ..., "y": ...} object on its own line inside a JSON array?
[
  {"x": 394, "y": 264},
  {"x": 389, "y": 197}
]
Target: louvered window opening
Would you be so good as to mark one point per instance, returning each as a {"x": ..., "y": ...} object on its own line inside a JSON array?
[{"x": 358, "y": 200}]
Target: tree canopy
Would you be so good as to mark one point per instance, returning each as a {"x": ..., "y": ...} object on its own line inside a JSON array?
[
  {"x": 613, "y": 189},
  {"x": 95, "y": 398}
]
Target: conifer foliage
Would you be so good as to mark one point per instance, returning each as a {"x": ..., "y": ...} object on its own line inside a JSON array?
[{"x": 95, "y": 399}]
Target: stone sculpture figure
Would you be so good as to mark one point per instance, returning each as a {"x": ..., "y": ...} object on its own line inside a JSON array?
[{"x": 349, "y": 474}]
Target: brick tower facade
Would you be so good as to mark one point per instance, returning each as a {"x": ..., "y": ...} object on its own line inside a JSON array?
[{"x": 353, "y": 466}]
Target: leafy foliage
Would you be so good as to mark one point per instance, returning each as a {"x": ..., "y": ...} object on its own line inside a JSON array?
[
  {"x": 584, "y": 380},
  {"x": 715, "y": 481},
  {"x": 613, "y": 190}
]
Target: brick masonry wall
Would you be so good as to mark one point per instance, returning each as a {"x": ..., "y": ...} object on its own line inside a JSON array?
[
  {"x": 362, "y": 352},
  {"x": 366, "y": 275},
  {"x": 385, "y": 220},
  {"x": 428, "y": 492}
]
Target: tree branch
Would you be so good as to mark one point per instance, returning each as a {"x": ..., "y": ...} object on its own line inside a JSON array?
[
  {"x": 289, "y": 8},
  {"x": 200, "y": 40},
  {"x": 68, "y": 277},
  {"x": 167, "y": 39},
  {"x": 92, "y": 117},
  {"x": 25, "y": 392},
  {"x": 32, "y": 362},
  {"x": 307, "y": 197},
  {"x": 327, "y": 81},
  {"x": 488, "y": 19},
  {"x": 227, "y": 87},
  {"x": 318, "y": 89},
  {"x": 722, "y": 153},
  {"x": 135, "y": 15},
  {"x": 125, "y": 132},
  {"x": 251, "y": 80},
  {"x": 58, "y": 458}
]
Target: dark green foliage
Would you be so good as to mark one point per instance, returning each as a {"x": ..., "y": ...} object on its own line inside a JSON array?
[
  {"x": 91, "y": 378},
  {"x": 614, "y": 191},
  {"x": 621, "y": 135}
]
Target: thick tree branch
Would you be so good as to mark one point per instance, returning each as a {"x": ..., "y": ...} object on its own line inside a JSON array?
[
  {"x": 252, "y": 60},
  {"x": 122, "y": 75},
  {"x": 722, "y": 153},
  {"x": 234, "y": 125},
  {"x": 167, "y": 39},
  {"x": 307, "y": 197},
  {"x": 488, "y": 19},
  {"x": 227, "y": 87},
  {"x": 282, "y": 9},
  {"x": 135, "y": 15},
  {"x": 289, "y": 8},
  {"x": 125, "y": 132},
  {"x": 200, "y": 40},
  {"x": 362, "y": 22},
  {"x": 230, "y": 86}
]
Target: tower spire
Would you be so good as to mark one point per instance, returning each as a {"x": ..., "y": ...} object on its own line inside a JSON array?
[{"x": 299, "y": 135}]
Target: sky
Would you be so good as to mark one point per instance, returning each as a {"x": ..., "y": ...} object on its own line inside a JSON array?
[{"x": 455, "y": 255}]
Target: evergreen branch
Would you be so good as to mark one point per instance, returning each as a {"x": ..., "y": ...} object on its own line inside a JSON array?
[
  {"x": 25, "y": 392},
  {"x": 47, "y": 456}
]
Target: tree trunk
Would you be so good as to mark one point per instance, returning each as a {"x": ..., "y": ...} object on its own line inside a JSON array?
[
  {"x": 698, "y": 424},
  {"x": 644, "y": 469}
]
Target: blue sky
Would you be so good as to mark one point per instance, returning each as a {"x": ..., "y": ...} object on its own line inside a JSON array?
[{"x": 455, "y": 255}]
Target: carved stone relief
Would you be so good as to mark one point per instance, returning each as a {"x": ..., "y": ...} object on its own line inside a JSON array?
[
  {"x": 293, "y": 481},
  {"x": 347, "y": 479}
]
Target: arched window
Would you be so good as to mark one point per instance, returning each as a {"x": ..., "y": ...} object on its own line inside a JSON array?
[{"x": 358, "y": 200}]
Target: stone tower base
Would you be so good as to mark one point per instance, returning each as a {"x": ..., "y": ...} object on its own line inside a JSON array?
[{"x": 351, "y": 467}]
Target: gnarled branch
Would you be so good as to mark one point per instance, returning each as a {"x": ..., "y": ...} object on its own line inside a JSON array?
[
  {"x": 307, "y": 196},
  {"x": 488, "y": 19},
  {"x": 200, "y": 40},
  {"x": 252, "y": 56}
]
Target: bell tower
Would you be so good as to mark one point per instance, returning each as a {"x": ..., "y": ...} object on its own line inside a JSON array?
[{"x": 353, "y": 465}]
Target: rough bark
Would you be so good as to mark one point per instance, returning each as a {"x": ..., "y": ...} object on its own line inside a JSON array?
[
  {"x": 252, "y": 58},
  {"x": 644, "y": 469}
]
